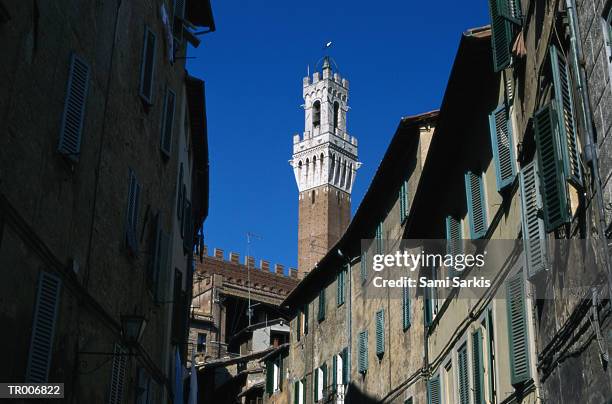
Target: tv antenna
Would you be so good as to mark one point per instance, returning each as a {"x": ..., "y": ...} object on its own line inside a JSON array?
[{"x": 250, "y": 236}]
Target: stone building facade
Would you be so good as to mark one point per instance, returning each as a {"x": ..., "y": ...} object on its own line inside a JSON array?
[
  {"x": 230, "y": 347},
  {"x": 325, "y": 164},
  {"x": 96, "y": 110},
  {"x": 518, "y": 169}
]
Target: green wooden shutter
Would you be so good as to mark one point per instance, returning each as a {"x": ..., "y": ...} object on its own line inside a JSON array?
[
  {"x": 379, "y": 238},
  {"x": 179, "y": 194},
  {"x": 306, "y": 319},
  {"x": 43, "y": 328},
  {"x": 380, "y": 332},
  {"x": 71, "y": 128},
  {"x": 280, "y": 372},
  {"x": 453, "y": 239},
  {"x": 298, "y": 323},
  {"x": 118, "y": 370},
  {"x": 345, "y": 366},
  {"x": 132, "y": 212},
  {"x": 269, "y": 377},
  {"x": 167, "y": 123},
  {"x": 321, "y": 314},
  {"x": 403, "y": 201},
  {"x": 478, "y": 367},
  {"x": 501, "y": 36},
  {"x": 550, "y": 168},
  {"x": 474, "y": 188},
  {"x": 433, "y": 391},
  {"x": 428, "y": 317},
  {"x": 363, "y": 266},
  {"x": 188, "y": 232},
  {"x": 464, "y": 382},
  {"x": 324, "y": 372},
  {"x": 304, "y": 390},
  {"x": 296, "y": 392},
  {"x": 500, "y": 129},
  {"x": 334, "y": 371},
  {"x": 341, "y": 282},
  {"x": 491, "y": 350},
  {"x": 565, "y": 109},
  {"x": 517, "y": 330},
  {"x": 405, "y": 308},
  {"x": 147, "y": 69},
  {"x": 363, "y": 351},
  {"x": 177, "y": 22},
  {"x": 534, "y": 234},
  {"x": 315, "y": 390}
]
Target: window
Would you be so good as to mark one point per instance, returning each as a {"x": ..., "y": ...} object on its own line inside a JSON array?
[
  {"x": 405, "y": 307},
  {"x": 504, "y": 14},
  {"x": 316, "y": 114},
  {"x": 338, "y": 370},
  {"x": 534, "y": 234},
  {"x": 167, "y": 123},
  {"x": 380, "y": 332},
  {"x": 274, "y": 375},
  {"x": 379, "y": 238},
  {"x": 74, "y": 109},
  {"x": 608, "y": 32},
  {"x": 517, "y": 330},
  {"x": 431, "y": 299},
  {"x": 188, "y": 226},
  {"x": 133, "y": 204},
  {"x": 344, "y": 356},
  {"x": 464, "y": 382},
  {"x": 449, "y": 383},
  {"x": 500, "y": 128},
  {"x": 341, "y": 286},
  {"x": 320, "y": 382},
  {"x": 403, "y": 201},
  {"x": 474, "y": 189},
  {"x": 321, "y": 314},
  {"x": 363, "y": 351},
  {"x": 147, "y": 69},
  {"x": 201, "y": 342},
  {"x": 477, "y": 367},
  {"x": 363, "y": 267},
  {"x": 302, "y": 322},
  {"x": 433, "y": 390},
  {"x": 336, "y": 115},
  {"x": 298, "y": 391},
  {"x": 159, "y": 268},
  {"x": 43, "y": 328},
  {"x": 408, "y": 400}
]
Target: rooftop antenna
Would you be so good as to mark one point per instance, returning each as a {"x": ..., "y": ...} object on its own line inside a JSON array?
[{"x": 250, "y": 236}]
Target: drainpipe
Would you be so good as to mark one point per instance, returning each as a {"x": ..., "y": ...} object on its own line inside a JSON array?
[{"x": 590, "y": 149}]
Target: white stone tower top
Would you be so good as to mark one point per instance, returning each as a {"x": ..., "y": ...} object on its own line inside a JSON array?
[{"x": 325, "y": 154}]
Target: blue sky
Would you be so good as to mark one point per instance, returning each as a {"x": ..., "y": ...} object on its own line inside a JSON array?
[{"x": 397, "y": 56}]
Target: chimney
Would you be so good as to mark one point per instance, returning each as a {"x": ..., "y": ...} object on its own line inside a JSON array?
[
  {"x": 265, "y": 265},
  {"x": 279, "y": 269},
  {"x": 293, "y": 273},
  {"x": 235, "y": 258},
  {"x": 219, "y": 253}
]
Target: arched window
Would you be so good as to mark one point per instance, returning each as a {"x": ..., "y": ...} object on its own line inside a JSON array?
[
  {"x": 316, "y": 114},
  {"x": 312, "y": 196},
  {"x": 332, "y": 168},
  {"x": 336, "y": 115},
  {"x": 314, "y": 168}
]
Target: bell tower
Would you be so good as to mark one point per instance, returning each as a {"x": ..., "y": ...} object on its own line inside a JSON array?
[{"x": 324, "y": 163}]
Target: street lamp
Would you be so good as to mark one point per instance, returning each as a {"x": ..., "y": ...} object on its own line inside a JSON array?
[{"x": 132, "y": 328}]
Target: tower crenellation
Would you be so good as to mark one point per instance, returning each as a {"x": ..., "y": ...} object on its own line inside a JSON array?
[{"x": 324, "y": 163}]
